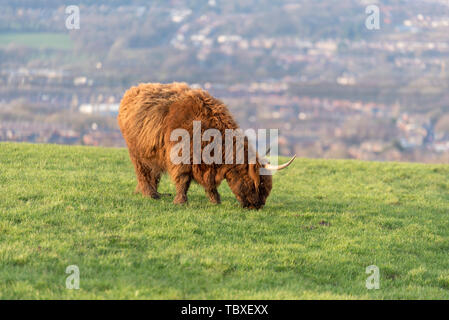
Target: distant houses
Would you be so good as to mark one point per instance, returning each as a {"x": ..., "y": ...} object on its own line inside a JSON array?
[{"x": 99, "y": 109}]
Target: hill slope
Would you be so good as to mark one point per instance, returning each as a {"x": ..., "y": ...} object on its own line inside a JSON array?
[{"x": 324, "y": 223}]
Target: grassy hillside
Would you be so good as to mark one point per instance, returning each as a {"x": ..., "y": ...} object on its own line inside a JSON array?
[{"x": 324, "y": 223}]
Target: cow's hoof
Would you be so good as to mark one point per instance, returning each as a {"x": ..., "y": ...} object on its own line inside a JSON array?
[
  {"x": 155, "y": 196},
  {"x": 180, "y": 200}
]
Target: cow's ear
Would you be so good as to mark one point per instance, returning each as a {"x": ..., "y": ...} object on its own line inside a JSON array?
[{"x": 254, "y": 174}]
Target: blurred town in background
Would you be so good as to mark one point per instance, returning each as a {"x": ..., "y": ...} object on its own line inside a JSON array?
[{"x": 310, "y": 68}]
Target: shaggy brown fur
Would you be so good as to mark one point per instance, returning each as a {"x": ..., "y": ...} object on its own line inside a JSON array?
[{"x": 150, "y": 112}]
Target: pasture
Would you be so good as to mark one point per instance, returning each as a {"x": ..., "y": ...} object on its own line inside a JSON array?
[
  {"x": 41, "y": 40},
  {"x": 324, "y": 223}
]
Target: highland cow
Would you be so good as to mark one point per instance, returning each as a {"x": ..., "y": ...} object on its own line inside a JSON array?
[{"x": 149, "y": 113}]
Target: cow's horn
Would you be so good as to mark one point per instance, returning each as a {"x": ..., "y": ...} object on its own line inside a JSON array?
[
  {"x": 282, "y": 166},
  {"x": 268, "y": 151}
]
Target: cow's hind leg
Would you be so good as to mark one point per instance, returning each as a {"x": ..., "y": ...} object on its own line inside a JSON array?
[
  {"x": 213, "y": 195},
  {"x": 148, "y": 178},
  {"x": 209, "y": 184},
  {"x": 153, "y": 181},
  {"x": 182, "y": 182}
]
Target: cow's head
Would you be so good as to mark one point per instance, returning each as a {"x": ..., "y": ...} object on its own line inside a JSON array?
[{"x": 249, "y": 186}]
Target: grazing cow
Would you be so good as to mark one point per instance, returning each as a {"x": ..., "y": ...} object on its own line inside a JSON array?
[{"x": 150, "y": 113}]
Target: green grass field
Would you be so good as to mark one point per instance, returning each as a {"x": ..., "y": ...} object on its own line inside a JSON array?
[
  {"x": 324, "y": 223},
  {"x": 37, "y": 40}
]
